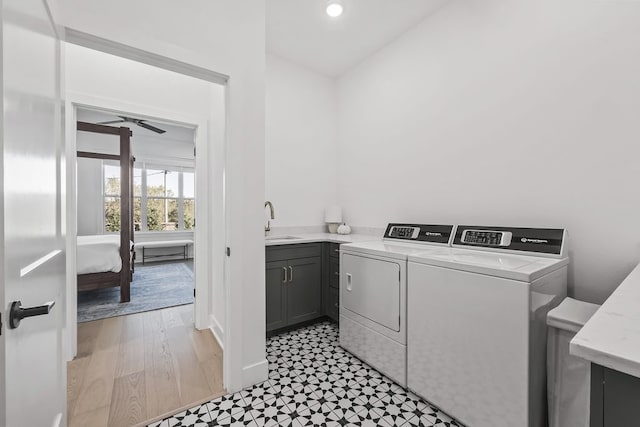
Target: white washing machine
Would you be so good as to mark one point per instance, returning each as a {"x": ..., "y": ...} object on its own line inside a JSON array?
[
  {"x": 373, "y": 302},
  {"x": 477, "y": 323}
]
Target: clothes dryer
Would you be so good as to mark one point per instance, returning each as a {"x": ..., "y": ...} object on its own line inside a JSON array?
[{"x": 373, "y": 302}]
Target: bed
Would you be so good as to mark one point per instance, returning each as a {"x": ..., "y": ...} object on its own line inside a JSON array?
[
  {"x": 101, "y": 253},
  {"x": 107, "y": 260}
]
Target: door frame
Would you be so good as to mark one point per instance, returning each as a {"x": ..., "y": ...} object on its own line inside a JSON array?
[
  {"x": 202, "y": 233},
  {"x": 235, "y": 375}
]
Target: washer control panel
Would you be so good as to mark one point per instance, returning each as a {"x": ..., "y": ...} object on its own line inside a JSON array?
[
  {"x": 427, "y": 233},
  {"x": 487, "y": 238},
  {"x": 550, "y": 241}
]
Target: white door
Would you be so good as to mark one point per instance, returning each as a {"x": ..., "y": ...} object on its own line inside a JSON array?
[{"x": 31, "y": 224}]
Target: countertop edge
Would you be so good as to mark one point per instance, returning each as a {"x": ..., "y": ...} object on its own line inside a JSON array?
[
  {"x": 611, "y": 337},
  {"x": 602, "y": 358},
  {"x": 323, "y": 237}
]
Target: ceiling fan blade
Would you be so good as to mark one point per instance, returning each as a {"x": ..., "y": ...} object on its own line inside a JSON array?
[
  {"x": 148, "y": 126},
  {"x": 111, "y": 122}
]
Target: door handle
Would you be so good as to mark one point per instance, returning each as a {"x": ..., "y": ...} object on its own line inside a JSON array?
[
  {"x": 285, "y": 275},
  {"x": 290, "y": 274},
  {"x": 17, "y": 312}
]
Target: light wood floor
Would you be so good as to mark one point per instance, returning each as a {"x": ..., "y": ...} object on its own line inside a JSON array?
[{"x": 134, "y": 368}]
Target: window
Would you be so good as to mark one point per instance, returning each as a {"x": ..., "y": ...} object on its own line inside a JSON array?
[
  {"x": 111, "y": 198},
  {"x": 188, "y": 200},
  {"x": 163, "y": 199}
]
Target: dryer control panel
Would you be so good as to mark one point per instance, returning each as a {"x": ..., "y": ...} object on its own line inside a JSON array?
[
  {"x": 430, "y": 233},
  {"x": 404, "y": 232}
]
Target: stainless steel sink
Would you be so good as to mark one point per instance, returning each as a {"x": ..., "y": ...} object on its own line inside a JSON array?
[{"x": 281, "y": 238}]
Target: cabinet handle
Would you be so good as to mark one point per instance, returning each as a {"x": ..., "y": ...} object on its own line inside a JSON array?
[
  {"x": 290, "y": 274},
  {"x": 337, "y": 273},
  {"x": 285, "y": 275},
  {"x": 336, "y": 250}
]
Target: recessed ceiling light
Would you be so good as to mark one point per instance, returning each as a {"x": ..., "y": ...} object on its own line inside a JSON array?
[{"x": 334, "y": 8}]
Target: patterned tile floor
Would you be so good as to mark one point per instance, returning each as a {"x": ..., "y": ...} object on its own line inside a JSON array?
[{"x": 314, "y": 382}]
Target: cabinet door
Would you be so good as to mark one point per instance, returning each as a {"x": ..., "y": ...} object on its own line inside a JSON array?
[
  {"x": 334, "y": 272},
  {"x": 334, "y": 250},
  {"x": 333, "y": 304},
  {"x": 304, "y": 289},
  {"x": 276, "y": 295},
  {"x": 621, "y": 397}
]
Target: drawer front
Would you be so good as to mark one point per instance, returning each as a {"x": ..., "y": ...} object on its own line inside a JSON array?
[
  {"x": 333, "y": 304},
  {"x": 287, "y": 252},
  {"x": 334, "y": 250},
  {"x": 334, "y": 273}
]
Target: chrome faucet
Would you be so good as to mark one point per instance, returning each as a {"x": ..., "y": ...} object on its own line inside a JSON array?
[{"x": 267, "y": 229}]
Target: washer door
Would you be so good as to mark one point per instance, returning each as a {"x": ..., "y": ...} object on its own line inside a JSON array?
[{"x": 370, "y": 287}]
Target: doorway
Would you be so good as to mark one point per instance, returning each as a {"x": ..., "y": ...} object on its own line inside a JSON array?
[
  {"x": 208, "y": 241},
  {"x": 160, "y": 213}
]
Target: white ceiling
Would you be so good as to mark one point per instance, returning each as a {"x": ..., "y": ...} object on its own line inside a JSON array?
[{"x": 301, "y": 31}]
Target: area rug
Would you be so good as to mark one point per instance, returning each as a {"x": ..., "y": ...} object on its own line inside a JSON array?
[{"x": 153, "y": 287}]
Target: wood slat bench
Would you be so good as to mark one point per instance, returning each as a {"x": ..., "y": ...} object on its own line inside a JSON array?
[{"x": 183, "y": 244}]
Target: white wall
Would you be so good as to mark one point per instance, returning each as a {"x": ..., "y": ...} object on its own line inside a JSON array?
[
  {"x": 301, "y": 142},
  {"x": 106, "y": 76},
  {"x": 227, "y": 37},
  {"x": 508, "y": 113}
]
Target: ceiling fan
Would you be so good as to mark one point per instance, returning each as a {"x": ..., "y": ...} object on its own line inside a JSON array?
[{"x": 139, "y": 122}]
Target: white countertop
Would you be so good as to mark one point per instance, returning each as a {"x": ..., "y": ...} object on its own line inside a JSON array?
[
  {"x": 320, "y": 237},
  {"x": 611, "y": 337}
]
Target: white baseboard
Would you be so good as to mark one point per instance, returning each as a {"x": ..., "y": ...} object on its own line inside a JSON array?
[
  {"x": 254, "y": 374},
  {"x": 217, "y": 331}
]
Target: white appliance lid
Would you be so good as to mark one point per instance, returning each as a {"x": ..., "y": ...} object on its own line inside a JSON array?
[
  {"x": 508, "y": 266},
  {"x": 396, "y": 250},
  {"x": 571, "y": 314}
]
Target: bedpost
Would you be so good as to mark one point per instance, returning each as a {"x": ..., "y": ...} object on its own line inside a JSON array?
[
  {"x": 131, "y": 197},
  {"x": 132, "y": 255},
  {"x": 126, "y": 209},
  {"x": 123, "y": 279}
]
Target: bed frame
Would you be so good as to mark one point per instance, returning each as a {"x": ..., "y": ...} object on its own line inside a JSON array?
[{"x": 123, "y": 278}]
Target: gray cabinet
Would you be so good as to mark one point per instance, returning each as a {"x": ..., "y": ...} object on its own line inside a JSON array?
[
  {"x": 304, "y": 290},
  {"x": 293, "y": 284},
  {"x": 332, "y": 281},
  {"x": 276, "y": 295},
  {"x": 333, "y": 303},
  {"x": 614, "y": 398}
]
